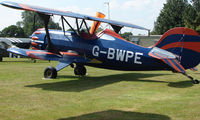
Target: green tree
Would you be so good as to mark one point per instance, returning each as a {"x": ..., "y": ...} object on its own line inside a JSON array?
[
  {"x": 196, "y": 4},
  {"x": 170, "y": 16},
  {"x": 13, "y": 31},
  {"x": 192, "y": 15},
  {"x": 126, "y": 35},
  {"x": 30, "y": 26}
]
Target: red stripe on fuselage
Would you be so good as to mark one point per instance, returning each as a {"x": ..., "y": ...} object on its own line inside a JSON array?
[{"x": 112, "y": 33}]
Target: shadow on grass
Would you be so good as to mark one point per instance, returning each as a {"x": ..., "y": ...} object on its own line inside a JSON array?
[
  {"x": 87, "y": 83},
  {"x": 118, "y": 115},
  {"x": 181, "y": 84},
  {"x": 19, "y": 61},
  {"x": 15, "y": 61},
  {"x": 24, "y": 60}
]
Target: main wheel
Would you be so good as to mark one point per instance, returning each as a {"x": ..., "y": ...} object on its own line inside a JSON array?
[
  {"x": 80, "y": 70},
  {"x": 50, "y": 72},
  {"x": 1, "y": 59}
]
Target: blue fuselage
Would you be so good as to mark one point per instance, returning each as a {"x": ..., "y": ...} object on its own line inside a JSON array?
[{"x": 105, "y": 51}]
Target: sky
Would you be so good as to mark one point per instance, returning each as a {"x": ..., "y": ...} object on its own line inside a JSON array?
[{"x": 138, "y": 12}]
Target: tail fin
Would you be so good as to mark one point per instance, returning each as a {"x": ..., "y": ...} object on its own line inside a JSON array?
[{"x": 183, "y": 42}]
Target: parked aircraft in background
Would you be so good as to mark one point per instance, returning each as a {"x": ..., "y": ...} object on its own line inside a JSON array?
[
  {"x": 7, "y": 42},
  {"x": 177, "y": 50}
]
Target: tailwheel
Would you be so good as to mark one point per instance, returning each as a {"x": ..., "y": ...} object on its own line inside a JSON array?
[
  {"x": 80, "y": 70},
  {"x": 194, "y": 81},
  {"x": 50, "y": 72}
]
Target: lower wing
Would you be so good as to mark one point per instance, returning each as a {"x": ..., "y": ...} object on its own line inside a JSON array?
[{"x": 45, "y": 55}]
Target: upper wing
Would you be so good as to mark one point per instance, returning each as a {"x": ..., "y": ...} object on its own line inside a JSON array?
[
  {"x": 68, "y": 14},
  {"x": 167, "y": 58}
]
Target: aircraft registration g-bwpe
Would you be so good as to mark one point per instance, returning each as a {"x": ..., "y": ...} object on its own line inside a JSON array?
[{"x": 177, "y": 50}]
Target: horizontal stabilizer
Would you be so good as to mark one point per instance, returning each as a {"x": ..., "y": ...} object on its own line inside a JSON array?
[{"x": 168, "y": 58}]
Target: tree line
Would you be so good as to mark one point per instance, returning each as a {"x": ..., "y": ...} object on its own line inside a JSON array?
[
  {"x": 178, "y": 13},
  {"x": 30, "y": 22}
]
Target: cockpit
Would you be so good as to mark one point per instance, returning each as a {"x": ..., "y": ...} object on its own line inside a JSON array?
[{"x": 82, "y": 29}]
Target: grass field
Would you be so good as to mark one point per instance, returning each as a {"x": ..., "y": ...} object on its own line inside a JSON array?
[{"x": 102, "y": 95}]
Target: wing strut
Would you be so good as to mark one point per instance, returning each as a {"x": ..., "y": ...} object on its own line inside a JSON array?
[
  {"x": 63, "y": 19},
  {"x": 86, "y": 26},
  {"x": 63, "y": 24},
  {"x": 84, "y": 23},
  {"x": 46, "y": 22},
  {"x": 77, "y": 25},
  {"x": 50, "y": 46},
  {"x": 116, "y": 28}
]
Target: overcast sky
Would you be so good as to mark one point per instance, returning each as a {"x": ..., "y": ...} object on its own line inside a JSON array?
[{"x": 139, "y": 12}]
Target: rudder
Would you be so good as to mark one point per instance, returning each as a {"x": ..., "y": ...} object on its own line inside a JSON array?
[{"x": 183, "y": 42}]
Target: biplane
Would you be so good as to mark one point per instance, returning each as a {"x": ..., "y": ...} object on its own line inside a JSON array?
[{"x": 177, "y": 50}]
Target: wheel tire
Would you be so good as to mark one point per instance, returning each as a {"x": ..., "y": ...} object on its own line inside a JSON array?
[
  {"x": 195, "y": 82},
  {"x": 1, "y": 59},
  {"x": 80, "y": 70},
  {"x": 76, "y": 71},
  {"x": 50, "y": 72}
]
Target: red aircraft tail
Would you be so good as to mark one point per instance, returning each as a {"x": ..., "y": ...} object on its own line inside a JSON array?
[{"x": 183, "y": 42}]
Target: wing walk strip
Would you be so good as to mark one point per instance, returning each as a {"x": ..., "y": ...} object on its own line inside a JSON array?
[{"x": 171, "y": 62}]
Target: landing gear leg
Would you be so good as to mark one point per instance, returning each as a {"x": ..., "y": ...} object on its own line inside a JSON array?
[
  {"x": 194, "y": 81},
  {"x": 80, "y": 70}
]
